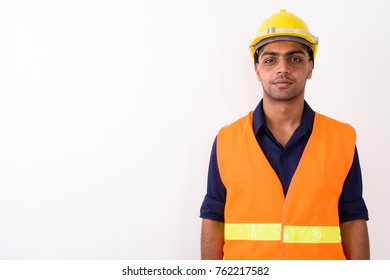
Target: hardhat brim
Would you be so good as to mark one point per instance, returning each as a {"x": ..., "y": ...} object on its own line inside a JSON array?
[
  {"x": 277, "y": 34},
  {"x": 282, "y": 38}
]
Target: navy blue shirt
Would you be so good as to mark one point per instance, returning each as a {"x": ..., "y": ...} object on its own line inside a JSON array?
[{"x": 284, "y": 160}]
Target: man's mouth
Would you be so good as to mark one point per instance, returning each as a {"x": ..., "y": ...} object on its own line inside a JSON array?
[{"x": 282, "y": 83}]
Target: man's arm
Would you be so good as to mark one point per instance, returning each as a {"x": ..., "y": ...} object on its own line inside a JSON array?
[
  {"x": 212, "y": 240},
  {"x": 354, "y": 235}
]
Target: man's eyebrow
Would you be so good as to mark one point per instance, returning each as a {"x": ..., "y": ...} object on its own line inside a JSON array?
[{"x": 270, "y": 53}]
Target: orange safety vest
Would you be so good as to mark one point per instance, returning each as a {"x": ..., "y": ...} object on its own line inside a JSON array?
[{"x": 260, "y": 222}]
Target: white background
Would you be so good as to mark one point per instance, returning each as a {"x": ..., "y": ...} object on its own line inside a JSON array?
[{"x": 108, "y": 110}]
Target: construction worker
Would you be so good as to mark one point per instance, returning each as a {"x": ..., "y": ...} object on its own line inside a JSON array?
[{"x": 284, "y": 181}]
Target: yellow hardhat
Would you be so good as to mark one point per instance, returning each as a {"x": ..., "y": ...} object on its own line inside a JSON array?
[{"x": 284, "y": 26}]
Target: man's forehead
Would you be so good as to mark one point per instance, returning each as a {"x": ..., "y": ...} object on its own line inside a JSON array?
[{"x": 284, "y": 47}]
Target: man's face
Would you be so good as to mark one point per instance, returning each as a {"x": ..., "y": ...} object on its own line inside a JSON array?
[{"x": 283, "y": 68}]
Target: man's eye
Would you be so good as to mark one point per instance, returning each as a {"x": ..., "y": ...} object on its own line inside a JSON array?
[
  {"x": 269, "y": 61},
  {"x": 296, "y": 59}
]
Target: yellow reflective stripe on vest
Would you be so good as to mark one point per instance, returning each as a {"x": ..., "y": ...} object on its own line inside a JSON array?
[
  {"x": 291, "y": 234},
  {"x": 252, "y": 231},
  {"x": 312, "y": 234}
]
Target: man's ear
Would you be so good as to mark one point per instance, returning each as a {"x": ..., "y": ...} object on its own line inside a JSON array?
[
  {"x": 257, "y": 70},
  {"x": 311, "y": 68}
]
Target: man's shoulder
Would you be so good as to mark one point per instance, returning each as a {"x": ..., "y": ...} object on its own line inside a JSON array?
[
  {"x": 330, "y": 120},
  {"x": 333, "y": 124},
  {"x": 240, "y": 121}
]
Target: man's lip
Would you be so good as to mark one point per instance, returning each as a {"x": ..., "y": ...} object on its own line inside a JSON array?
[{"x": 282, "y": 83}]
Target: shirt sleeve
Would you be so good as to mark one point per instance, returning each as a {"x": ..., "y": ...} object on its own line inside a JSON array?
[
  {"x": 213, "y": 206},
  {"x": 351, "y": 203}
]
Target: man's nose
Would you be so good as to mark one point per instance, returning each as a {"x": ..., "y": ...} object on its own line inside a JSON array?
[{"x": 283, "y": 66}]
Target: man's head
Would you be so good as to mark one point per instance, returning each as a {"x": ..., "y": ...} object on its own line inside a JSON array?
[
  {"x": 283, "y": 67},
  {"x": 284, "y": 51},
  {"x": 284, "y": 26}
]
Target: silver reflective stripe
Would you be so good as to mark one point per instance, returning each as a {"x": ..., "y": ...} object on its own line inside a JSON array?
[
  {"x": 289, "y": 37},
  {"x": 253, "y": 231},
  {"x": 312, "y": 234},
  {"x": 272, "y": 30},
  {"x": 291, "y": 234},
  {"x": 282, "y": 38}
]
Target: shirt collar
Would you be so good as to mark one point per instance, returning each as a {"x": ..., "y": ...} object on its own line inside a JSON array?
[{"x": 307, "y": 120}]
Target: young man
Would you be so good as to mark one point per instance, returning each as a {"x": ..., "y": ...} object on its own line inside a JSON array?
[{"x": 284, "y": 181}]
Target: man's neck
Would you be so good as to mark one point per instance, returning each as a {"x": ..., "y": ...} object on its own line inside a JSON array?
[{"x": 283, "y": 118}]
